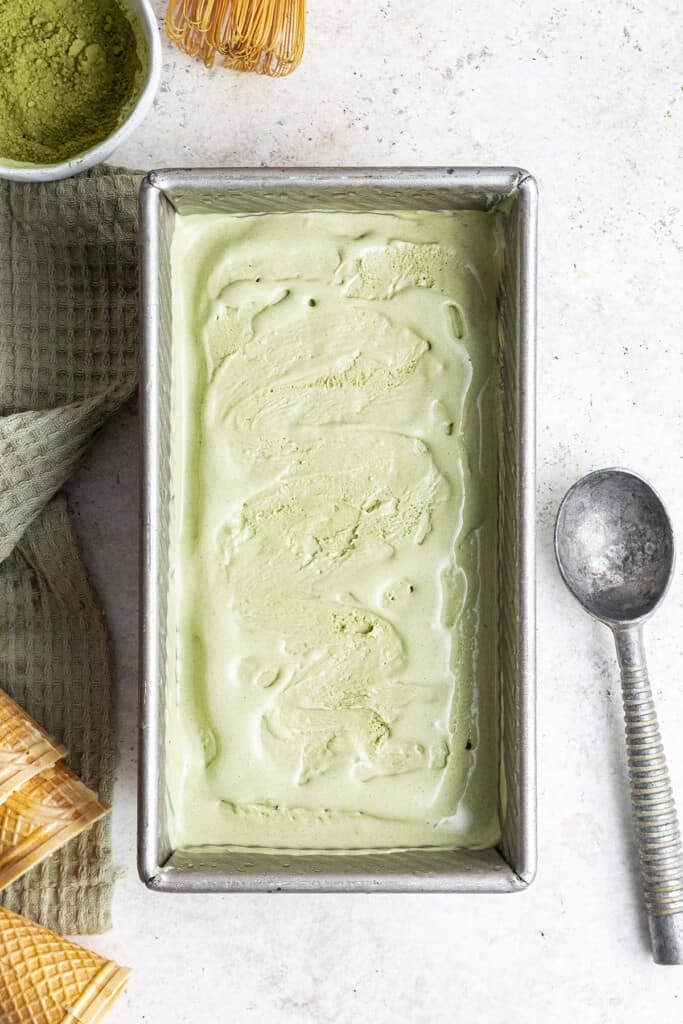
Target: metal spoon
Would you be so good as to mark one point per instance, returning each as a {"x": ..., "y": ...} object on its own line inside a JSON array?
[{"x": 614, "y": 546}]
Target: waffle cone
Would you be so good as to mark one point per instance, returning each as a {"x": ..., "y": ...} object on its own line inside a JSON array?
[
  {"x": 45, "y": 979},
  {"x": 45, "y": 813},
  {"x": 25, "y": 749}
]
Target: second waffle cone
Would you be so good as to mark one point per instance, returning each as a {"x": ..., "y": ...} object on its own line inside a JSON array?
[
  {"x": 45, "y": 979},
  {"x": 43, "y": 815},
  {"x": 25, "y": 749}
]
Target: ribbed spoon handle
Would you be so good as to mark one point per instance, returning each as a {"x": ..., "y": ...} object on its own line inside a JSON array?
[{"x": 654, "y": 811}]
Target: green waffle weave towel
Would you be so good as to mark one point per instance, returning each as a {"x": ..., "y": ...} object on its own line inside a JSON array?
[{"x": 68, "y": 359}]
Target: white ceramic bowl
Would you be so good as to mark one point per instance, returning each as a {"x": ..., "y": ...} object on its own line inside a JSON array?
[{"x": 141, "y": 10}]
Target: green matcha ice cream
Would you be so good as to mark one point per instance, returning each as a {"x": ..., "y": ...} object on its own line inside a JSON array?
[{"x": 332, "y": 615}]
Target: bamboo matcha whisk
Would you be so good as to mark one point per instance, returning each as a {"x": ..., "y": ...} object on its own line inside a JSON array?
[{"x": 266, "y": 36}]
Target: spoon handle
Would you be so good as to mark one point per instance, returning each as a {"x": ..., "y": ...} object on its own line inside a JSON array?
[{"x": 654, "y": 811}]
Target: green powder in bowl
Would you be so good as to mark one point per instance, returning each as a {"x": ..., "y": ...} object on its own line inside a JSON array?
[{"x": 70, "y": 71}]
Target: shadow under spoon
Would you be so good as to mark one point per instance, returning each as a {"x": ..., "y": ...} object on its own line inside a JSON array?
[{"x": 615, "y": 550}]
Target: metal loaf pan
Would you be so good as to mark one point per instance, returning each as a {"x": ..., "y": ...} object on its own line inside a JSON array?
[{"x": 511, "y": 865}]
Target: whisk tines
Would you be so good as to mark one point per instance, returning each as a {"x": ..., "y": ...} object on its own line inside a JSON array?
[{"x": 266, "y": 36}]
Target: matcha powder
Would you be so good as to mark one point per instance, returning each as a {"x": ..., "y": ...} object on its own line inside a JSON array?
[{"x": 68, "y": 70}]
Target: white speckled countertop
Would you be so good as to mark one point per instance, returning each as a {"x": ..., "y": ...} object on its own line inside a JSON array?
[{"x": 589, "y": 97}]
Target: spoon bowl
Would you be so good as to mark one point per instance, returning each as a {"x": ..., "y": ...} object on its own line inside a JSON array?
[{"x": 614, "y": 545}]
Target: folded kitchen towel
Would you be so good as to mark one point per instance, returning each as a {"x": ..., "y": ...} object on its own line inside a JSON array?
[{"x": 68, "y": 359}]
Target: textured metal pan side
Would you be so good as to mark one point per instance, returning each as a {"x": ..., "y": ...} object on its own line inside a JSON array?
[{"x": 503, "y": 869}]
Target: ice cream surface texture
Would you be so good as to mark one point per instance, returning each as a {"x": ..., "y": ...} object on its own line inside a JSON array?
[{"x": 332, "y": 610}]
